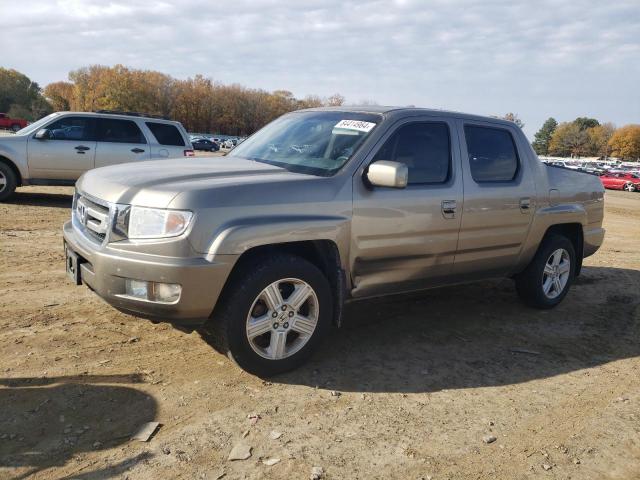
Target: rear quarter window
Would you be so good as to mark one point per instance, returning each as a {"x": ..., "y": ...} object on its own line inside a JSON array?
[{"x": 166, "y": 134}]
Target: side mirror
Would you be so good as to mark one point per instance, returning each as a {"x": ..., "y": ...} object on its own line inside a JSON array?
[
  {"x": 43, "y": 134},
  {"x": 385, "y": 173}
]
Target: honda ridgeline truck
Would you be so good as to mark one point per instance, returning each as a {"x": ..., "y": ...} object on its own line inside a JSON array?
[{"x": 323, "y": 206}]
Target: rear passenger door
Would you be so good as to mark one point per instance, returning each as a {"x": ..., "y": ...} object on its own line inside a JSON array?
[
  {"x": 499, "y": 200},
  {"x": 169, "y": 141},
  {"x": 119, "y": 141},
  {"x": 405, "y": 239}
]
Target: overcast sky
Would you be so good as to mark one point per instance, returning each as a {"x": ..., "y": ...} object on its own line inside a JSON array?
[{"x": 536, "y": 58}]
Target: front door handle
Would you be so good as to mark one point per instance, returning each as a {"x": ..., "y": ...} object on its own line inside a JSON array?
[
  {"x": 137, "y": 150},
  {"x": 449, "y": 208},
  {"x": 525, "y": 204},
  {"x": 82, "y": 148}
]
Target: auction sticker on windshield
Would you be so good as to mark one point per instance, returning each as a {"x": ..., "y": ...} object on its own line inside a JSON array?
[{"x": 355, "y": 125}]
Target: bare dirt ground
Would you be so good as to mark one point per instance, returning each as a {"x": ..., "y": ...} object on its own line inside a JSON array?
[{"x": 406, "y": 389}]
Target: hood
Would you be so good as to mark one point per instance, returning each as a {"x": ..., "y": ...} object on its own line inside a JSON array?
[{"x": 155, "y": 183}]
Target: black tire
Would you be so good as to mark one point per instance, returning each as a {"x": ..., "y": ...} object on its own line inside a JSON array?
[
  {"x": 15, "y": 127},
  {"x": 529, "y": 283},
  {"x": 629, "y": 187},
  {"x": 228, "y": 323},
  {"x": 8, "y": 177}
]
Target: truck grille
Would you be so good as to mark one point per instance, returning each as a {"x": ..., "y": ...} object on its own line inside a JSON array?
[{"x": 93, "y": 219}]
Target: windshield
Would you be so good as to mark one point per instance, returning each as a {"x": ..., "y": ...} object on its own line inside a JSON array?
[
  {"x": 318, "y": 143},
  {"x": 36, "y": 125}
]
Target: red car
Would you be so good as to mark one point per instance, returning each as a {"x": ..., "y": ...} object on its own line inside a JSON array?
[
  {"x": 621, "y": 181},
  {"x": 14, "y": 124}
]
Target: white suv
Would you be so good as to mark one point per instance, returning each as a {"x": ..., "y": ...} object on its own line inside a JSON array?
[{"x": 59, "y": 148}]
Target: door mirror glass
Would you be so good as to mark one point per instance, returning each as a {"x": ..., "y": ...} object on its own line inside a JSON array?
[
  {"x": 385, "y": 173},
  {"x": 43, "y": 134}
]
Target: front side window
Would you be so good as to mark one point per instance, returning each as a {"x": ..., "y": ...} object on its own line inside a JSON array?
[
  {"x": 492, "y": 154},
  {"x": 424, "y": 148},
  {"x": 71, "y": 128},
  {"x": 166, "y": 134},
  {"x": 119, "y": 131},
  {"x": 317, "y": 143}
]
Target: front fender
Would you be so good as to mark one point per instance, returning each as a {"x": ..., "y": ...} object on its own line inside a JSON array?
[
  {"x": 239, "y": 236},
  {"x": 16, "y": 153}
]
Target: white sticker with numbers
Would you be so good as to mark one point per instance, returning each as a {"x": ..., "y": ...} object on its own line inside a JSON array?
[{"x": 356, "y": 125}]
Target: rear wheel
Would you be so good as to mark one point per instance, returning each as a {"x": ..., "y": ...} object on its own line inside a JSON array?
[
  {"x": 8, "y": 181},
  {"x": 547, "y": 279},
  {"x": 274, "y": 314},
  {"x": 15, "y": 127}
]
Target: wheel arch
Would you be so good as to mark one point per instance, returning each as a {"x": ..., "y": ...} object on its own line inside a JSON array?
[
  {"x": 574, "y": 232},
  {"x": 14, "y": 168},
  {"x": 323, "y": 253}
]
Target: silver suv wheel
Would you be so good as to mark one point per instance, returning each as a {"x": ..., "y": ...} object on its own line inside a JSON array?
[
  {"x": 3, "y": 182},
  {"x": 282, "y": 318},
  {"x": 556, "y": 273}
]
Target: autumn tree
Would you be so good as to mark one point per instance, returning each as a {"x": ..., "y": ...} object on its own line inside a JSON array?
[
  {"x": 335, "y": 100},
  {"x": 60, "y": 95},
  {"x": 625, "y": 142},
  {"x": 599, "y": 137},
  {"x": 568, "y": 140},
  {"x": 543, "y": 136},
  {"x": 21, "y": 97},
  {"x": 513, "y": 117}
]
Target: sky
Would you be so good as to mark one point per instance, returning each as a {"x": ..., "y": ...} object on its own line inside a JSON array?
[{"x": 538, "y": 59}]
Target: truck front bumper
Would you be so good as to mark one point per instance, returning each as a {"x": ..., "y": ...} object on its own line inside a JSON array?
[{"x": 106, "y": 269}]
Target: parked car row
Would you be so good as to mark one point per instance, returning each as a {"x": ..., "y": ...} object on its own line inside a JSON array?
[
  {"x": 227, "y": 143},
  {"x": 615, "y": 177}
]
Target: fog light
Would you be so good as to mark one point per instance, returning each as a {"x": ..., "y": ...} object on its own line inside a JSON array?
[
  {"x": 166, "y": 292},
  {"x": 153, "y": 291},
  {"x": 136, "y": 288}
]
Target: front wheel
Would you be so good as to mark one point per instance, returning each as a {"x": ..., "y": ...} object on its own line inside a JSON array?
[
  {"x": 629, "y": 187},
  {"x": 8, "y": 181},
  {"x": 547, "y": 279},
  {"x": 15, "y": 127},
  {"x": 273, "y": 315}
]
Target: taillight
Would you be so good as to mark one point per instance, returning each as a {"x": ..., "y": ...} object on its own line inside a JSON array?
[{"x": 189, "y": 153}]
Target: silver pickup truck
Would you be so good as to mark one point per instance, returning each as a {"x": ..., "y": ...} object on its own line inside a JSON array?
[{"x": 324, "y": 206}]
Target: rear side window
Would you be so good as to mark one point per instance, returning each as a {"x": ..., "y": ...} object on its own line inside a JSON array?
[
  {"x": 424, "y": 148},
  {"x": 492, "y": 154},
  {"x": 166, "y": 134},
  {"x": 119, "y": 131}
]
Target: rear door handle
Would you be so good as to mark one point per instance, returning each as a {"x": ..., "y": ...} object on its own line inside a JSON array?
[
  {"x": 82, "y": 148},
  {"x": 137, "y": 150},
  {"x": 449, "y": 208},
  {"x": 525, "y": 204}
]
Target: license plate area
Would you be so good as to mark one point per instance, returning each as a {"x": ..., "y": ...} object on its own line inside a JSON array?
[{"x": 72, "y": 265}]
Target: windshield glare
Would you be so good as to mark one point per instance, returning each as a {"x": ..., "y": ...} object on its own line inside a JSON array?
[
  {"x": 35, "y": 125},
  {"x": 318, "y": 143}
]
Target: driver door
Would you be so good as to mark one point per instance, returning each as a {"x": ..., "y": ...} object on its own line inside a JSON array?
[
  {"x": 406, "y": 239},
  {"x": 67, "y": 154}
]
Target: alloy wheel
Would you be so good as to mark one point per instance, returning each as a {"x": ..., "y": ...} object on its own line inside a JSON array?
[
  {"x": 282, "y": 318},
  {"x": 556, "y": 273}
]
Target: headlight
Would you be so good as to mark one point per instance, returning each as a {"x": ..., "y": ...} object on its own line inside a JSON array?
[{"x": 157, "y": 223}]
